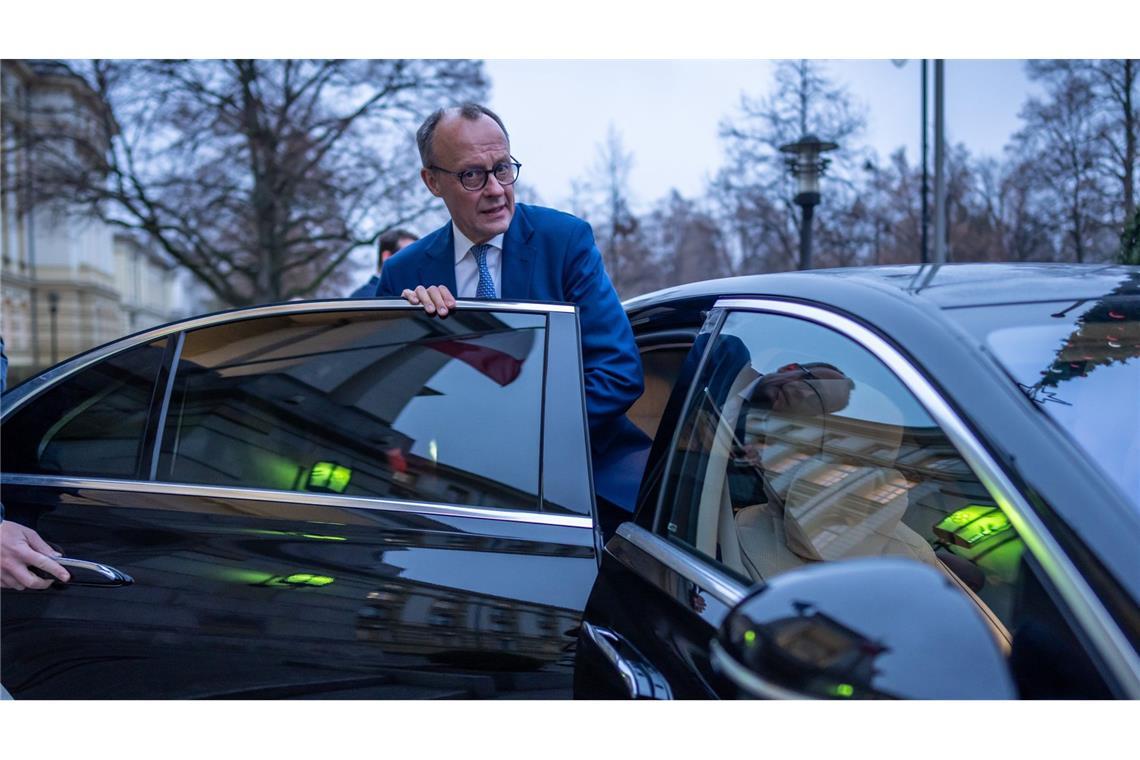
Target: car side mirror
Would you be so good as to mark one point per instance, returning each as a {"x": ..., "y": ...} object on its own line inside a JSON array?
[{"x": 875, "y": 628}]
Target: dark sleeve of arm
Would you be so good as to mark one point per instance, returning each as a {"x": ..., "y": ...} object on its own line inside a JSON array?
[{"x": 611, "y": 363}]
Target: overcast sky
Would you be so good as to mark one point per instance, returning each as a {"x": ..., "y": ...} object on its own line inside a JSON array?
[{"x": 668, "y": 112}]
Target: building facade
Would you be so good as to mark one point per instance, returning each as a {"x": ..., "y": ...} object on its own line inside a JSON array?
[{"x": 68, "y": 282}]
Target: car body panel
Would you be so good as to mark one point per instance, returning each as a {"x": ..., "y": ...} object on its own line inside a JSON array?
[{"x": 246, "y": 592}]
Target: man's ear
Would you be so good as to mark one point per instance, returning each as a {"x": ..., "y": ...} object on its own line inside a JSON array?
[{"x": 429, "y": 181}]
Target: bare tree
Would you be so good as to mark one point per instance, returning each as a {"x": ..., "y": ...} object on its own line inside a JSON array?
[
  {"x": 1009, "y": 207},
  {"x": 687, "y": 244},
  {"x": 1064, "y": 144},
  {"x": 603, "y": 198},
  {"x": 260, "y": 177},
  {"x": 1114, "y": 89},
  {"x": 757, "y": 190}
]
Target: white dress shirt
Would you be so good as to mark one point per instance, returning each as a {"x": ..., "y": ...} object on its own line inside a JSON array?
[{"x": 467, "y": 270}]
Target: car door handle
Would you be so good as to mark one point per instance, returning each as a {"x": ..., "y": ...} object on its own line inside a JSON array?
[
  {"x": 87, "y": 573},
  {"x": 641, "y": 679}
]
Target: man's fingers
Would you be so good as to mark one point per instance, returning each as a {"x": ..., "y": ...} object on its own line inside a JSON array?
[
  {"x": 436, "y": 299},
  {"x": 10, "y": 583},
  {"x": 16, "y": 575},
  {"x": 50, "y": 566},
  {"x": 33, "y": 581},
  {"x": 38, "y": 543},
  {"x": 436, "y": 293},
  {"x": 424, "y": 298},
  {"x": 448, "y": 299}
]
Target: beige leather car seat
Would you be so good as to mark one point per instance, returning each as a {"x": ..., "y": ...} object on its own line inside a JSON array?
[{"x": 830, "y": 505}]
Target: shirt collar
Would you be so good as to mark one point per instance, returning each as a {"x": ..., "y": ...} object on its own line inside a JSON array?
[{"x": 463, "y": 244}]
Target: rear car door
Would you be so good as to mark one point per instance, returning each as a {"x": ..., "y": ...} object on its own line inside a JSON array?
[
  {"x": 800, "y": 443},
  {"x": 340, "y": 499}
]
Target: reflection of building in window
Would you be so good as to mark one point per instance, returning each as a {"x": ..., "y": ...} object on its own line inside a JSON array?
[
  {"x": 881, "y": 454},
  {"x": 445, "y": 613},
  {"x": 825, "y": 653},
  {"x": 504, "y": 619},
  {"x": 895, "y": 487},
  {"x": 783, "y": 464},
  {"x": 831, "y": 475},
  {"x": 456, "y": 495},
  {"x": 948, "y": 464}
]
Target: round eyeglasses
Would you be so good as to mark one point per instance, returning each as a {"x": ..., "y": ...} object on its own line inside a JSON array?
[{"x": 506, "y": 172}]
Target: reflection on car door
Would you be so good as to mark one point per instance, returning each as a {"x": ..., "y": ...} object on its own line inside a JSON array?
[{"x": 319, "y": 502}]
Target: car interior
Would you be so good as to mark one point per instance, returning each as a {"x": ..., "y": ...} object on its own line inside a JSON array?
[{"x": 781, "y": 490}]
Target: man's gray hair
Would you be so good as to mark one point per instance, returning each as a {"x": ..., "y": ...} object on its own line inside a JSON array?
[{"x": 469, "y": 111}]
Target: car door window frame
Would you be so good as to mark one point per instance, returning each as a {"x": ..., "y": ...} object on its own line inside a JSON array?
[
  {"x": 151, "y": 445},
  {"x": 1090, "y": 615}
]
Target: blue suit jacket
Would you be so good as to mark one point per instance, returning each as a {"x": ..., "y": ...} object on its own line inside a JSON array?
[{"x": 549, "y": 256}]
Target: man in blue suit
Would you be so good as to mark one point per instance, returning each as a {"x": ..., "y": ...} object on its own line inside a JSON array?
[{"x": 493, "y": 248}]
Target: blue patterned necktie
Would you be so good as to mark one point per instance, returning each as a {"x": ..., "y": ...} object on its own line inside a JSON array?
[{"x": 486, "y": 286}]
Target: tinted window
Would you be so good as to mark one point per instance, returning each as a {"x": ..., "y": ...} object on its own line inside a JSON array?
[
  {"x": 395, "y": 405},
  {"x": 801, "y": 447},
  {"x": 91, "y": 423},
  {"x": 1079, "y": 361}
]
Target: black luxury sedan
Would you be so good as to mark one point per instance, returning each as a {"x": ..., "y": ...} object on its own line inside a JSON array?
[{"x": 895, "y": 482}]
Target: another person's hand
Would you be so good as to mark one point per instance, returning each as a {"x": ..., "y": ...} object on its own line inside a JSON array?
[
  {"x": 436, "y": 300},
  {"x": 21, "y": 549}
]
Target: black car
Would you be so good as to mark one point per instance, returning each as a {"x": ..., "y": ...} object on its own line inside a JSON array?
[{"x": 880, "y": 483}]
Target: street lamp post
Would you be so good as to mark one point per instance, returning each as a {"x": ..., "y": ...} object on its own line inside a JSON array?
[
  {"x": 53, "y": 310},
  {"x": 806, "y": 164}
]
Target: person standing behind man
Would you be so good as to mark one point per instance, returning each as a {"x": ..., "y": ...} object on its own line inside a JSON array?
[
  {"x": 391, "y": 242},
  {"x": 495, "y": 248}
]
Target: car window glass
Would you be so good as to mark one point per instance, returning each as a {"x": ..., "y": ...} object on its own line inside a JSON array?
[
  {"x": 92, "y": 423},
  {"x": 661, "y": 365},
  {"x": 389, "y": 404},
  {"x": 801, "y": 447},
  {"x": 1077, "y": 361}
]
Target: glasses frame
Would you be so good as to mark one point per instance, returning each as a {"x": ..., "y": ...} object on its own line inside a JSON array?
[{"x": 486, "y": 174}]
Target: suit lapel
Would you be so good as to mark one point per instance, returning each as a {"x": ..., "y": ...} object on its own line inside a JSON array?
[
  {"x": 518, "y": 258},
  {"x": 438, "y": 264}
]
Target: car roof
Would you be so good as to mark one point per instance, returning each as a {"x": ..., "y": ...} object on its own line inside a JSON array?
[{"x": 944, "y": 286}]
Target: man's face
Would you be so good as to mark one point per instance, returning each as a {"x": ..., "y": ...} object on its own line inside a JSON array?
[{"x": 460, "y": 144}]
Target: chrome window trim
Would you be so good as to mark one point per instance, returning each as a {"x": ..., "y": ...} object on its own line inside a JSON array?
[
  {"x": 724, "y": 589},
  {"x": 26, "y": 391},
  {"x": 297, "y": 497},
  {"x": 1102, "y": 630}
]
